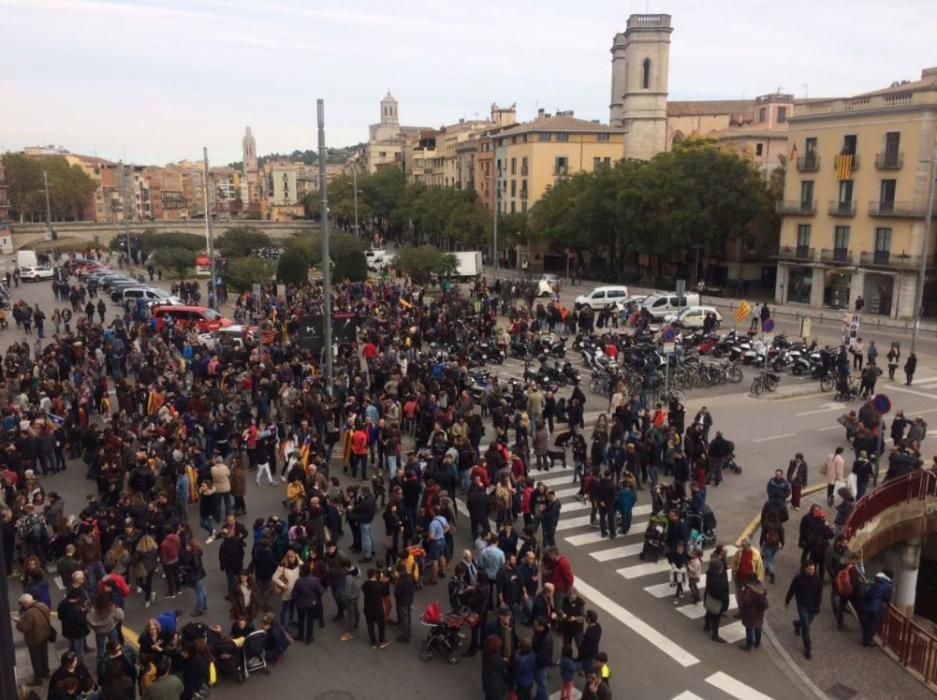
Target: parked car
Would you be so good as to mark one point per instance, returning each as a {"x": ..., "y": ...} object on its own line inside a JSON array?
[
  {"x": 120, "y": 294},
  {"x": 665, "y": 304},
  {"x": 600, "y": 297},
  {"x": 548, "y": 285},
  {"x": 34, "y": 274},
  {"x": 202, "y": 318},
  {"x": 233, "y": 334},
  {"x": 693, "y": 316}
]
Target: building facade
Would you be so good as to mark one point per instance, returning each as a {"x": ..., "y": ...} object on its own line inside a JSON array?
[
  {"x": 387, "y": 139},
  {"x": 640, "y": 65},
  {"x": 856, "y": 196},
  {"x": 531, "y": 157},
  {"x": 4, "y": 198}
]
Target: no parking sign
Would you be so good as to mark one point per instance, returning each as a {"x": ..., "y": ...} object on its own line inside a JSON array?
[{"x": 668, "y": 336}]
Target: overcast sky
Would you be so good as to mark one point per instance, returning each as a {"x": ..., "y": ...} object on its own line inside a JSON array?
[{"x": 152, "y": 81}]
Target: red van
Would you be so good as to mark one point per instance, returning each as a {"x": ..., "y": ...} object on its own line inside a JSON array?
[{"x": 204, "y": 319}]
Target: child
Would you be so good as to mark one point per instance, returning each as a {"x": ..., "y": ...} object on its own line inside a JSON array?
[
  {"x": 678, "y": 569},
  {"x": 567, "y": 672},
  {"x": 694, "y": 570},
  {"x": 605, "y": 673}
]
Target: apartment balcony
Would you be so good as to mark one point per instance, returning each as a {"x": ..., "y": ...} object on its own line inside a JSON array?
[
  {"x": 804, "y": 208},
  {"x": 836, "y": 256},
  {"x": 889, "y": 161},
  {"x": 897, "y": 210},
  {"x": 837, "y": 208},
  {"x": 808, "y": 164},
  {"x": 799, "y": 253},
  {"x": 886, "y": 259},
  {"x": 853, "y": 167}
]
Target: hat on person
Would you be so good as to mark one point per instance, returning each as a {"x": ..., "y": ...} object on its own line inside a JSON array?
[{"x": 26, "y": 600}]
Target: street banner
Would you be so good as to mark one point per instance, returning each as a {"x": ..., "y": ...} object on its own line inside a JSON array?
[{"x": 744, "y": 309}]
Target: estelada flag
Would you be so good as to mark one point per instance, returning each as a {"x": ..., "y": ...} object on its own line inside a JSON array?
[{"x": 744, "y": 309}]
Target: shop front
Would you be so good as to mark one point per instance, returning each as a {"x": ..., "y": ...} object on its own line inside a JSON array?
[
  {"x": 836, "y": 289},
  {"x": 799, "y": 284},
  {"x": 879, "y": 292}
]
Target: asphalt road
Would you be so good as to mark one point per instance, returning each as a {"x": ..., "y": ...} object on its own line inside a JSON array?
[{"x": 657, "y": 649}]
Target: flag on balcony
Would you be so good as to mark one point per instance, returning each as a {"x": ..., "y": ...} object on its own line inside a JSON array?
[
  {"x": 844, "y": 166},
  {"x": 793, "y": 156},
  {"x": 744, "y": 309}
]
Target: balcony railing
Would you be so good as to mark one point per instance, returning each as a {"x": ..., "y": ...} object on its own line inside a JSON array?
[
  {"x": 800, "y": 252},
  {"x": 808, "y": 163},
  {"x": 796, "y": 207},
  {"x": 561, "y": 170},
  {"x": 836, "y": 255},
  {"x": 842, "y": 208},
  {"x": 889, "y": 160},
  {"x": 888, "y": 208},
  {"x": 884, "y": 258}
]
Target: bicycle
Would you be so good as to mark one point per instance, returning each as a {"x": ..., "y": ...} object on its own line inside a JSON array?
[{"x": 765, "y": 381}]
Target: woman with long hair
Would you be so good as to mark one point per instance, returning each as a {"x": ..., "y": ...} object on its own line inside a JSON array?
[
  {"x": 196, "y": 672},
  {"x": 284, "y": 578},
  {"x": 143, "y": 565}
]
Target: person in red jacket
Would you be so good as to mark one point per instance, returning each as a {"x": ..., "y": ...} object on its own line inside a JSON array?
[
  {"x": 169, "y": 558},
  {"x": 559, "y": 573},
  {"x": 359, "y": 452}
]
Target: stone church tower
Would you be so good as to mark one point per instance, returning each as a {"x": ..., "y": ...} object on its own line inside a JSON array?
[{"x": 640, "y": 61}]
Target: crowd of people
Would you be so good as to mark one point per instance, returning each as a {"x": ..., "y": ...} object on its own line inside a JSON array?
[{"x": 171, "y": 429}]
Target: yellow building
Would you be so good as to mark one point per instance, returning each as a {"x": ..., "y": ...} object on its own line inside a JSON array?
[
  {"x": 531, "y": 157},
  {"x": 856, "y": 199}
]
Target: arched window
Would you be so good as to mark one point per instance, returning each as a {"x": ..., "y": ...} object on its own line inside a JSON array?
[
  {"x": 677, "y": 138},
  {"x": 646, "y": 74}
]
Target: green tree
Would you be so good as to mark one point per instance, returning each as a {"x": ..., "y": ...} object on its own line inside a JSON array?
[
  {"x": 422, "y": 262},
  {"x": 307, "y": 245},
  {"x": 293, "y": 268},
  {"x": 240, "y": 241},
  {"x": 244, "y": 272},
  {"x": 177, "y": 262},
  {"x": 347, "y": 253},
  {"x": 70, "y": 189},
  {"x": 153, "y": 241}
]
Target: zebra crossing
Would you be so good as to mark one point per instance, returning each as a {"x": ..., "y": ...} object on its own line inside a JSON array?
[{"x": 623, "y": 552}]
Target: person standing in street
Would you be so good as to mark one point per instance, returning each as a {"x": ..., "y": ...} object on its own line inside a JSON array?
[
  {"x": 404, "y": 591},
  {"x": 797, "y": 477},
  {"x": 372, "y": 592},
  {"x": 835, "y": 471},
  {"x": 716, "y": 597},
  {"x": 894, "y": 358},
  {"x": 807, "y": 589},
  {"x": 36, "y": 625},
  {"x": 542, "y": 646},
  {"x": 877, "y": 597},
  {"x": 753, "y": 602},
  {"x": 910, "y": 367}
]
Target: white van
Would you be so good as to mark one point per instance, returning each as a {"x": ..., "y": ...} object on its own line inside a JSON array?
[
  {"x": 26, "y": 258},
  {"x": 600, "y": 297},
  {"x": 661, "y": 305}
]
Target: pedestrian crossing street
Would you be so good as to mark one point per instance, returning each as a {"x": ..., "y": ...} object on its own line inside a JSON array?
[
  {"x": 623, "y": 552},
  {"x": 719, "y": 680}
]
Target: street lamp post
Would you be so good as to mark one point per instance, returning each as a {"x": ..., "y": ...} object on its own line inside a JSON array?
[
  {"x": 326, "y": 262},
  {"x": 922, "y": 270},
  {"x": 354, "y": 177},
  {"x": 212, "y": 291},
  {"x": 123, "y": 211},
  {"x": 45, "y": 182},
  {"x": 494, "y": 225}
]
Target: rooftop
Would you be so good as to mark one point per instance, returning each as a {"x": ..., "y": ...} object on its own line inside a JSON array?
[
  {"x": 561, "y": 122},
  {"x": 700, "y": 108}
]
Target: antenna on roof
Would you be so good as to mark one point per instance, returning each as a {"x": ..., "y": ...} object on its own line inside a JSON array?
[{"x": 804, "y": 86}]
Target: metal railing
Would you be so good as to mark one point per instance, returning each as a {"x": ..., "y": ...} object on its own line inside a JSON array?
[
  {"x": 837, "y": 208},
  {"x": 800, "y": 252},
  {"x": 795, "y": 207},
  {"x": 889, "y": 160},
  {"x": 897, "y": 209},
  {"x": 914, "y": 645},
  {"x": 808, "y": 164},
  {"x": 884, "y": 258},
  {"x": 836, "y": 255}
]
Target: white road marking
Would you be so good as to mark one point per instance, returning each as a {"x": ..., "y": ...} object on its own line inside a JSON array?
[
  {"x": 576, "y": 694},
  {"x": 727, "y": 684},
  {"x": 831, "y": 427},
  {"x": 697, "y": 610},
  {"x": 563, "y": 493},
  {"x": 687, "y": 695},
  {"x": 775, "y": 437},
  {"x": 636, "y": 625},
  {"x": 596, "y": 536},
  {"x": 639, "y": 570},
  {"x": 629, "y": 550},
  {"x": 912, "y": 391},
  {"x": 827, "y": 407},
  {"x": 574, "y": 506},
  {"x": 732, "y": 633},
  {"x": 555, "y": 480},
  {"x": 570, "y": 523}
]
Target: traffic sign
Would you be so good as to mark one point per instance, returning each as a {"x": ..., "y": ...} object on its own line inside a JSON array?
[
  {"x": 881, "y": 403},
  {"x": 768, "y": 326},
  {"x": 669, "y": 334}
]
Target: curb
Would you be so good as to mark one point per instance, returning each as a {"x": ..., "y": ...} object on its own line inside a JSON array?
[
  {"x": 754, "y": 522},
  {"x": 796, "y": 393}
]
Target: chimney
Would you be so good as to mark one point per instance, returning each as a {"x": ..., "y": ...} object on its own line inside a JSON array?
[{"x": 540, "y": 113}]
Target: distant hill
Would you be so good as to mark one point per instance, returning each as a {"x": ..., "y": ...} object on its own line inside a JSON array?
[{"x": 309, "y": 157}]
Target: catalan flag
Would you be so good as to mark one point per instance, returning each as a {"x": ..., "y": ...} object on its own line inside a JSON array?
[
  {"x": 844, "y": 166},
  {"x": 793, "y": 156},
  {"x": 304, "y": 450},
  {"x": 154, "y": 402},
  {"x": 406, "y": 304},
  {"x": 744, "y": 309}
]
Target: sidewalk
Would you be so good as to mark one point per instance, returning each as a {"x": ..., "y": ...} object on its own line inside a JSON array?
[{"x": 841, "y": 667}]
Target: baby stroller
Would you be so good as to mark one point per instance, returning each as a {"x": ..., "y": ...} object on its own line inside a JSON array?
[
  {"x": 702, "y": 527},
  {"x": 228, "y": 660},
  {"x": 445, "y": 637},
  {"x": 254, "y": 653},
  {"x": 654, "y": 538}
]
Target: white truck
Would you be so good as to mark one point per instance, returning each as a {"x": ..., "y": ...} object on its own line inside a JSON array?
[{"x": 469, "y": 264}]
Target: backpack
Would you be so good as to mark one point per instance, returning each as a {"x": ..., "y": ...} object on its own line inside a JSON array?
[
  {"x": 761, "y": 603},
  {"x": 843, "y": 582},
  {"x": 772, "y": 538}
]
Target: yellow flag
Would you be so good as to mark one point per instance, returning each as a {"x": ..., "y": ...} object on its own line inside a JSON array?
[{"x": 744, "y": 309}]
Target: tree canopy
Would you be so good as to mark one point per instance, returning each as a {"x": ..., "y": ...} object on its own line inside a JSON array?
[
  {"x": 421, "y": 262},
  {"x": 240, "y": 241},
  {"x": 70, "y": 188}
]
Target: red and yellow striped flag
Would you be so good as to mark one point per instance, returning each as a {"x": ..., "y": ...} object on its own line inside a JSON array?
[
  {"x": 744, "y": 309},
  {"x": 844, "y": 166}
]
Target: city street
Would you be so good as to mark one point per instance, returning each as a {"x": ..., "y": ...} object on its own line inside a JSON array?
[{"x": 642, "y": 628}]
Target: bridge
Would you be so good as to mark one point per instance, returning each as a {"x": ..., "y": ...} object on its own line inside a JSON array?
[
  {"x": 891, "y": 522},
  {"x": 95, "y": 234}
]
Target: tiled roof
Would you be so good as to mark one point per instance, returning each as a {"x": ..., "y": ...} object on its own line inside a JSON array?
[
  {"x": 560, "y": 123},
  {"x": 694, "y": 108}
]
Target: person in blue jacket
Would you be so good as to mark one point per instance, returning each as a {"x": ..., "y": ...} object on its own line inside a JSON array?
[{"x": 877, "y": 597}]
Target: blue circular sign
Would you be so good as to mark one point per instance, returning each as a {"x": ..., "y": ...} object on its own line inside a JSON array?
[
  {"x": 669, "y": 334},
  {"x": 769, "y": 325},
  {"x": 881, "y": 403}
]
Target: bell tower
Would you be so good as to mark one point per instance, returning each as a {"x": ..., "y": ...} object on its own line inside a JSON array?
[{"x": 640, "y": 64}]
